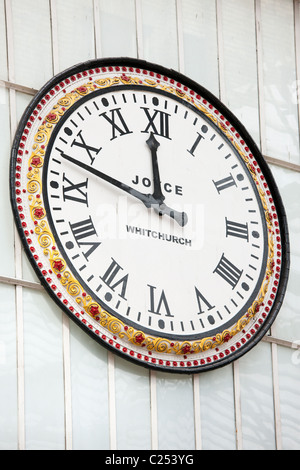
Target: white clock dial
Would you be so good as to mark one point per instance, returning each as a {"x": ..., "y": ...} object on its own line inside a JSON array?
[{"x": 179, "y": 276}]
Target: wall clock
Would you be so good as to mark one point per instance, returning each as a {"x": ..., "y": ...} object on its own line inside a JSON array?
[{"x": 149, "y": 214}]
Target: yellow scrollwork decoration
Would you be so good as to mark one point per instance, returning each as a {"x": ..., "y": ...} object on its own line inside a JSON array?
[{"x": 58, "y": 264}]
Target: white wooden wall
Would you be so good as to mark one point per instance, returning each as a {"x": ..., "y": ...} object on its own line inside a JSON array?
[{"x": 58, "y": 388}]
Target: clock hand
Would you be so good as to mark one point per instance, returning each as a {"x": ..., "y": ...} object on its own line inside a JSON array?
[
  {"x": 180, "y": 217},
  {"x": 153, "y": 145},
  {"x": 161, "y": 209},
  {"x": 147, "y": 199}
]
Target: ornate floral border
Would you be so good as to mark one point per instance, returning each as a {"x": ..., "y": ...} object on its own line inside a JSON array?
[{"x": 46, "y": 240}]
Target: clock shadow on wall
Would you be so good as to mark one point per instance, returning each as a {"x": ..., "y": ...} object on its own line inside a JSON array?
[{"x": 149, "y": 214}]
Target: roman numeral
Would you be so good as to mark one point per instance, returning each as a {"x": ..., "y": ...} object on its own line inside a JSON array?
[
  {"x": 73, "y": 192},
  {"x": 224, "y": 183},
  {"x": 159, "y": 304},
  {"x": 235, "y": 229},
  {"x": 200, "y": 299},
  {"x": 112, "y": 278},
  {"x": 82, "y": 231},
  {"x": 204, "y": 129},
  {"x": 228, "y": 271},
  {"x": 195, "y": 144},
  {"x": 120, "y": 127},
  {"x": 161, "y": 124},
  {"x": 88, "y": 148}
]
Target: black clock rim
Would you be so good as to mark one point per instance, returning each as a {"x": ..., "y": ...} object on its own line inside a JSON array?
[{"x": 199, "y": 89}]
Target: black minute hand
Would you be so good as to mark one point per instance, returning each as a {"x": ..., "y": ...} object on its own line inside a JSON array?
[{"x": 147, "y": 199}]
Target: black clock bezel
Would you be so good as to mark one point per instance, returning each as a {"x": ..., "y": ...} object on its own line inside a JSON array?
[{"x": 178, "y": 77}]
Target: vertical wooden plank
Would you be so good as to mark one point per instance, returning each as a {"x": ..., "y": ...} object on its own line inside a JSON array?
[
  {"x": 260, "y": 79},
  {"x": 153, "y": 410},
  {"x": 112, "y": 402},
  {"x": 139, "y": 29},
  {"x": 237, "y": 405},
  {"x": 18, "y": 250}
]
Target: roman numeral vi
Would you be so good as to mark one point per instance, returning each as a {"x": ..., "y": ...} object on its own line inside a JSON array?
[{"x": 156, "y": 306}]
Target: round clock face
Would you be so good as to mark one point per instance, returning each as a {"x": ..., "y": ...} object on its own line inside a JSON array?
[{"x": 149, "y": 214}]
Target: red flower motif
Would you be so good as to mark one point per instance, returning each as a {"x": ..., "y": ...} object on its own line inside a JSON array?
[
  {"x": 82, "y": 89},
  {"x": 94, "y": 310},
  {"x": 125, "y": 78},
  {"x": 139, "y": 338},
  {"x": 186, "y": 348},
  {"x": 39, "y": 213},
  {"x": 58, "y": 265},
  {"x": 36, "y": 161},
  {"x": 51, "y": 117},
  {"x": 227, "y": 337}
]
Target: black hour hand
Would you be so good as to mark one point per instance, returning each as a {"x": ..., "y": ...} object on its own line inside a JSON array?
[
  {"x": 159, "y": 206},
  {"x": 153, "y": 145}
]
